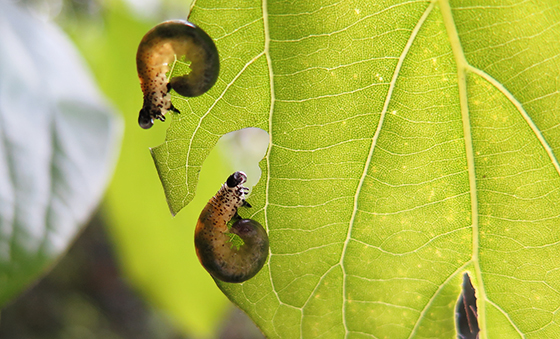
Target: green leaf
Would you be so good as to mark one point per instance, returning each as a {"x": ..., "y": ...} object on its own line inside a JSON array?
[
  {"x": 58, "y": 141},
  {"x": 410, "y": 142}
]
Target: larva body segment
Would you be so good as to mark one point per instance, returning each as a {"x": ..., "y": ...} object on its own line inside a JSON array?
[
  {"x": 157, "y": 51},
  {"x": 213, "y": 245}
]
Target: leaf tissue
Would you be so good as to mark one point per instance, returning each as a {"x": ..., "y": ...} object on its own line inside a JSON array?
[{"x": 410, "y": 142}]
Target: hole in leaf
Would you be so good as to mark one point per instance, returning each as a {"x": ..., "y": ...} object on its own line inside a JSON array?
[
  {"x": 466, "y": 312},
  {"x": 242, "y": 150}
]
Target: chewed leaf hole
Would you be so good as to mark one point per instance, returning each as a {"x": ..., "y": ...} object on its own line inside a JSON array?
[
  {"x": 180, "y": 66},
  {"x": 242, "y": 150},
  {"x": 466, "y": 312},
  {"x": 235, "y": 241}
]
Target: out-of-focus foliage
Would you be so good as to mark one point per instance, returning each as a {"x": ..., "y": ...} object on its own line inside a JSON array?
[
  {"x": 85, "y": 297},
  {"x": 156, "y": 249},
  {"x": 58, "y": 143}
]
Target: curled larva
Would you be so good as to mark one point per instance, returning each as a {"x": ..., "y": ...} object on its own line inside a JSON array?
[
  {"x": 158, "y": 49},
  {"x": 222, "y": 259}
]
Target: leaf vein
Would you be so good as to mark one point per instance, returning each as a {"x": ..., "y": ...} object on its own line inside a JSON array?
[
  {"x": 523, "y": 113},
  {"x": 374, "y": 139}
]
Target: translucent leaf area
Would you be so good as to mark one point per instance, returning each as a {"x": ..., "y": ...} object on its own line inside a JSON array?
[
  {"x": 58, "y": 143},
  {"x": 411, "y": 142}
]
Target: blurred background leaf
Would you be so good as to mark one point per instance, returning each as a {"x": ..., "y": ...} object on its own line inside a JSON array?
[
  {"x": 58, "y": 143},
  {"x": 155, "y": 250}
]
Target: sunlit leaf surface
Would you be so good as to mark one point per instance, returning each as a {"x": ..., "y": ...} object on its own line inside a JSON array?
[
  {"x": 58, "y": 142},
  {"x": 410, "y": 142}
]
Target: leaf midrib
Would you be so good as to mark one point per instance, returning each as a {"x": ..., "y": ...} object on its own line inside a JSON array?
[
  {"x": 266, "y": 52},
  {"x": 462, "y": 64},
  {"x": 462, "y": 68}
]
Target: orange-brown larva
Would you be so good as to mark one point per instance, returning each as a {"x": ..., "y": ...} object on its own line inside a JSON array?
[
  {"x": 213, "y": 244},
  {"x": 158, "y": 49}
]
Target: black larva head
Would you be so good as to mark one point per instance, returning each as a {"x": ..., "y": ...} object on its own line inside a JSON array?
[
  {"x": 145, "y": 120},
  {"x": 236, "y": 179}
]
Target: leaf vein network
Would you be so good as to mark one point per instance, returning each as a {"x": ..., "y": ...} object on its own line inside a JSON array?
[
  {"x": 321, "y": 148},
  {"x": 430, "y": 240},
  {"x": 238, "y": 29},
  {"x": 334, "y": 95},
  {"x": 311, "y": 206},
  {"x": 422, "y": 183},
  {"x": 501, "y": 88},
  {"x": 389, "y": 8},
  {"x": 506, "y": 315},
  {"x": 433, "y": 297},
  {"x": 329, "y": 69},
  {"x": 374, "y": 139},
  {"x": 451, "y": 141},
  {"x": 416, "y": 207}
]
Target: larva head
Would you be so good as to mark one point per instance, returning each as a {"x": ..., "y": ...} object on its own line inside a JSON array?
[
  {"x": 236, "y": 179},
  {"x": 144, "y": 119}
]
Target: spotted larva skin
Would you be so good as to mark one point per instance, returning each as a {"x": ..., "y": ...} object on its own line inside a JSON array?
[
  {"x": 158, "y": 50},
  {"x": 213, "y": 246}
]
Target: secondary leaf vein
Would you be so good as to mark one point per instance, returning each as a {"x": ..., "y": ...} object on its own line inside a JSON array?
[{"x": 370, "y": 154}]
